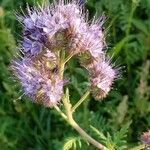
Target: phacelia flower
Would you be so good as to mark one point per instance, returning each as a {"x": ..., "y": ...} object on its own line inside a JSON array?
[
  {"x": 145, "y": 138},
  {"x": 52, "y": 30},
  {"x": 38, "y": 82},
  {"x": 41, "y": 25},
  {"x": 102, "y": 75},
  {"x": 32, "y": 47}
]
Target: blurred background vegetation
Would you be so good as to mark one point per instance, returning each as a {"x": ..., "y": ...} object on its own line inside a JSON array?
[{"x": 122, "y": 116}]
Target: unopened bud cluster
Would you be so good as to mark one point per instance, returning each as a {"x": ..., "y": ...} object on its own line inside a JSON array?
[{"x": 50, "y": 30}]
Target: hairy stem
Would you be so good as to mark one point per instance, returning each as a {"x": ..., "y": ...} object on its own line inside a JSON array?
[
  {"x": 72, "y": 122},
  {"x": 69, "y": 111},
  {"x": 68, "y": 58},
  {"x": 140, "y": 147},
  {"x": 60, "y": 112},
  {"x": 81, "y": 100},
  {"x": 86, "y": 136}
]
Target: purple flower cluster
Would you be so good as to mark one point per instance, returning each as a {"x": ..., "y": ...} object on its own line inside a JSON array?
[
  {"x": 56, "y": 27},
  {"x": 102, "y": 75},
  {"x": 42, "y": 24},
  {"x": 38, "y": 82},
  {"x": 145, "y": 138}
]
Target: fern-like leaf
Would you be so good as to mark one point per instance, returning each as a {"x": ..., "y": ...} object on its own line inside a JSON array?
[
  {"x": 71, "y": 143},
  {"x": 119, "y": 136}
]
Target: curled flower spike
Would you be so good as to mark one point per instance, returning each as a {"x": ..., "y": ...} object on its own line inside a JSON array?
[
  {"x": 89, "y": 38},
  {"x": 43, "y": 24},
  {"x": 38, "y": 82},
  {"x": 102, "y": 75},
  {"x": 145, "y": 138},
  {"x": 28, "y": 76}
]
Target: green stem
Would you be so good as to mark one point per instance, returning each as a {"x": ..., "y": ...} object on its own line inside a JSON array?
[
  {"x": 68, "y": 116},
  {"x": 60, "y": 112},
  {"x": 129, "y": 25},
  {"x": 72, "y": 122},
  {"x": 61, "y": 65},
  {"x": 67, "y": 106},
  {"x": 80, "y": 130},
  {"x": 133, "y": 7},
  {"x": 140, "y": 147},
  {"x": 68, "y": 58},
  {"x": 86, "y": 136},
  {"x": 80, "y": 101}
]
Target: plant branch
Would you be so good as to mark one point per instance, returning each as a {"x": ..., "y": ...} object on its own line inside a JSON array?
[
  {"x": 87, "y": 137},
  {"x": 81, "y": 100},
  {"x": 68, "y": 107},
  {"x": 60, "y": 112},
  {"x": 140, "y": 147},
  {"x": 68, "y": 58},
  {"x": 72, "y": 122}
]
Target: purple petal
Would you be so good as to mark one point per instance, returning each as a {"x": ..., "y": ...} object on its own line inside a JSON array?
[
  {"x": 36, "y": 48},
  {"x": 29, "y": 24},
  {"x": 27, "y": 44}
]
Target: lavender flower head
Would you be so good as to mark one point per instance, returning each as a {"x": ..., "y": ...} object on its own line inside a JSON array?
[
  {"x": 102, "y": 77},
  {"x": 53, "y": 29},
  {"x": 38, "y": 82},
  {"x": 145, "y": 138}
]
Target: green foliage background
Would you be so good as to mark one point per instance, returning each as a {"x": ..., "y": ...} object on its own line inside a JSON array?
[{"x": 121, "y": 117}]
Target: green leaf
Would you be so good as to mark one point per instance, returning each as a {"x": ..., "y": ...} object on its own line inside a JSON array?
[
  {"x": 119, "y": 136},
  {"x": 122, "y": 109},
  {"x": 100, "y": 134},
  {"x": 117, "y": 48},
  {"x": 140, "y": 25},
  {"x": 71, "y": 143},
  {"x": 81, "y": 72}
]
